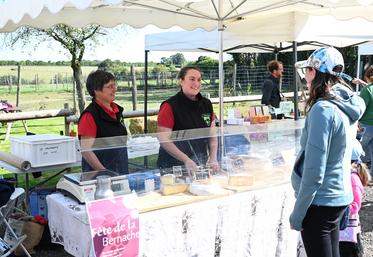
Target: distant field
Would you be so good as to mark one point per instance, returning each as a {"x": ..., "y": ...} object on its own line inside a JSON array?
[
  {"x": 47, "y": 95},
  {"x": 44, "y": 73}
]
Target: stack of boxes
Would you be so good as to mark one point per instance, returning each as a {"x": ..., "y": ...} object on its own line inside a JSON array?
[
  {"x": 234, "y": 117},
  {"x": 259, "y": 114}
]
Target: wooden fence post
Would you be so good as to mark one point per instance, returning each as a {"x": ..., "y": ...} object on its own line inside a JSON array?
[
  {"x": 67, "y": 124},
  {"x": 18, "y": 84},
  {"x": 134, "y": 88}
]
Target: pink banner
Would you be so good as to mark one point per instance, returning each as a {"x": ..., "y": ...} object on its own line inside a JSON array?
[{"x": 114, "y": 226}]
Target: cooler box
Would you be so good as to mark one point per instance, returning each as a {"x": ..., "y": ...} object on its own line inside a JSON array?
[
  {"x": 45, "y": 149},
  {"x": 38, "y": 202}
]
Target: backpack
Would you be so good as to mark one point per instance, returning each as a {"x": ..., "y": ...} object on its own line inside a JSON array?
[{"x": 6, "y": 190}]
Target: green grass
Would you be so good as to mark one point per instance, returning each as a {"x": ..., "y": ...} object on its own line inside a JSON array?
[{"x": 44, "y": 73}]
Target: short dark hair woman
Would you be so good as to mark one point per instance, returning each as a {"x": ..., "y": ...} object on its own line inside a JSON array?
[{"x": 101, "y": 119}]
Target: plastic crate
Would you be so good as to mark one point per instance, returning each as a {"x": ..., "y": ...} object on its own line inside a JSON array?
[
  {"x": 38, "y": 202},
  {"x": 45, "y": 149}
]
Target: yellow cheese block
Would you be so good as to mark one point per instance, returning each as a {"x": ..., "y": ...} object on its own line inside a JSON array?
[
  {"x": 168, "y": 179},
  {"x": 241, "y": 180},
  {"x": 174, "y": 189}
]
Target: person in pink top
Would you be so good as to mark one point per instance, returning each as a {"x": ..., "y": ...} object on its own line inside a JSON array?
[{"x": 349, "y": 238}]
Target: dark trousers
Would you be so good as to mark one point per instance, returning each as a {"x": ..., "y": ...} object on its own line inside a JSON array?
[
  {"x": 350, "y": 249},
  {"x": 347, "y": 249},
  {"x": 320, "y": 233}
]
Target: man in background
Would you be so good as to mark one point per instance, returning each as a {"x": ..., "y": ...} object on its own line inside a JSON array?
[{"x": 271, "y": 88}]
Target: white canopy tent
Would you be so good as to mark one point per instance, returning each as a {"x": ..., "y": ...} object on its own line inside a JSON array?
[
  {"x": 364, "y": 49},
  {"x": 237, "y": 15},
  {"x": 261, "y": 36},
  {"x": 200, "y": 40},
  {"x": 166, "y": 13}
]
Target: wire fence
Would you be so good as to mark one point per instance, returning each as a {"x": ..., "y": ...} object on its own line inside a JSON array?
[
  {"x": 244, "y": 78},
  {"x": 43, "y": 89}
]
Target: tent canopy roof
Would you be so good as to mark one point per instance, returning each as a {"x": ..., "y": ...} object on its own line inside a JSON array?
[
  {"x": 262, "y": 36},
  {"x": 166, "y": 13}
]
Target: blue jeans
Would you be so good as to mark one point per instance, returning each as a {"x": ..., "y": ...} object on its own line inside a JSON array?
[{"x": 367, "y": 143}]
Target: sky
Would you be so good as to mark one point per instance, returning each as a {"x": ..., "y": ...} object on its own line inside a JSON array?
[{"x": 124, "y": 46}]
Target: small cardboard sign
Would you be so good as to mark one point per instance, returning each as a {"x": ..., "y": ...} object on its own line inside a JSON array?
[{"x": 114, "y": 226}]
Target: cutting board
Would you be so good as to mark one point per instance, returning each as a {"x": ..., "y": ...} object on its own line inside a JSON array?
[{"x": 155, "y": 201}]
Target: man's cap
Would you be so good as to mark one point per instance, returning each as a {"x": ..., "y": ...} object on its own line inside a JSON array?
[{"x": 325, "y": 60}]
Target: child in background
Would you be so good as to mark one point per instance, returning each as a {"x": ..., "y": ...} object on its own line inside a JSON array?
[{"x": 349, "y": 238}]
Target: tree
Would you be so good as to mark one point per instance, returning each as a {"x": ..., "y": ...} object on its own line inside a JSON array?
[
  {"x": 165, "y": 61},
  {"x": 74, "y": 40},
  {"x": 244, "y": 58},
  {"x": 209, "y": 68},
  {"x": 178, "y": 59},
  {"x": 105, "y": 65}
]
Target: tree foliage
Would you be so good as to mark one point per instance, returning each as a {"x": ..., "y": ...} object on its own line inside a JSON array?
[
  {"x": 116, "y": 67},
  {"x": 74, "y": 40},
  {"x": 177, "y": 59},
  {"x": 209, "y": 68}
]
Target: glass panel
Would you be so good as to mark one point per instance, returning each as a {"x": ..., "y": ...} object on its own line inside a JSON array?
[{"x": 266, "y": 152}]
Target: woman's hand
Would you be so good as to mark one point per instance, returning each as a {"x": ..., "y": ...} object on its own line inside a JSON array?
[
  {"x": 214, "y": 165},
  {"x": 190, "y": 165},
  {"x": 359, "y": 81}
]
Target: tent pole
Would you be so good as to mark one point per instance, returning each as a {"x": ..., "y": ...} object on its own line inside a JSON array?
[
  {"x": 296, "y": 116},
  {"x": 146, "y": 101},
  {"x": 146, "y": 93},
  {"x": 221, "y": 79},
  {"x": 358, "y": 68}
]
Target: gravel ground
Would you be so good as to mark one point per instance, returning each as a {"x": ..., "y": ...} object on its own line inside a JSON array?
[{"x": 366, "y": 218}]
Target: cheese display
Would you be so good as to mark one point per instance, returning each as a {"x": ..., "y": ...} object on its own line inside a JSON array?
[
  {"x": 168, "y": 179},
  {"x": 241, "y": 180},
  {"x": 174, "y": 189},
  {"x": 247, "y": 157}
]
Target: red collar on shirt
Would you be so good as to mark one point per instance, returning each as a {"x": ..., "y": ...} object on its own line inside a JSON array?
[{"x": 111, "y": 112}]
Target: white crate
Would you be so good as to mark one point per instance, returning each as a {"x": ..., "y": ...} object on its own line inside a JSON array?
[{"x": 45, "y": 149}]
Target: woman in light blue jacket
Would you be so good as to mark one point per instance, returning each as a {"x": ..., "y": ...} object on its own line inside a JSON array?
[{"x": 321, "y": 175}]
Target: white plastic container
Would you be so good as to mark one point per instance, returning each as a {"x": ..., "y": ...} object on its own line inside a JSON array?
[{"x": 44, "y": 149}]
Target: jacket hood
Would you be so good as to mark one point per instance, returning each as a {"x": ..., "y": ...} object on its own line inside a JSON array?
[{"x": 348, "y": 102}]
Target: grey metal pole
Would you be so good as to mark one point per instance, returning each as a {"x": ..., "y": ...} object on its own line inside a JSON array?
[
  {"x": 221, "y": 79},
  {"x": 295, "y": 58},
  {"x": 234, "y": 78},
  {"x": 146, "y": 101},
  {"x": 146, "y": 93},
  {"x": 358, "y": 69}
]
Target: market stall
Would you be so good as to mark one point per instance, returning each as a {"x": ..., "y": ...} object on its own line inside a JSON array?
[
  {"x": 252, "y": 223},
  {"x": 248, "y": 214}
]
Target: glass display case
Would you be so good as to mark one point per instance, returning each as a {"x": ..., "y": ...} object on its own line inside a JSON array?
[{"x": 234, "y": 157}]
